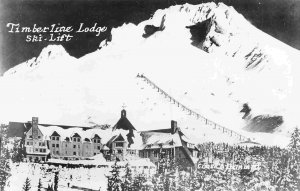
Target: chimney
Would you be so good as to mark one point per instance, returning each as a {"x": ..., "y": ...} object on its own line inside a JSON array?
[
  {"x": 123, "y": 113},
  {"x": 35, "y": 122},
  {"x": 173, "y": 126}
]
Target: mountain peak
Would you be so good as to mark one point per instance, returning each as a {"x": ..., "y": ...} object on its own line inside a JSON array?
[
  {"x": 49, "y": 54},
  {"x": 52, "y": 52}
]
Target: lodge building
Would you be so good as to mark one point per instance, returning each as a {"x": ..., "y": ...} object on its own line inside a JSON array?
[
  {"x": 42, "y": 142},
  {"x": 121, "y": 142},
  {"x": 171, "y": 144}
]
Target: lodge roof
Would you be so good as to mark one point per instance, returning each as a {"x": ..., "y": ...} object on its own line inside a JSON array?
[
  {"x": 123, "y": 123},
  {"x": 18, "y": 129}
]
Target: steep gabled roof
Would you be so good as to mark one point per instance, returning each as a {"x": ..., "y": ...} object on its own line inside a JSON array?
[
  {"x": 123, "y": 123},
  {"x": 114, "y": 138},
  {"x": 96, "y": 136},
  {"x": 55, "y": 134},
  {"x": 76, "y": 135},
  {"x": 187, "y": 152}
]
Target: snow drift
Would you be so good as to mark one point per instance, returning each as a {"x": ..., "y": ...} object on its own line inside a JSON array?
[{"x": 207, "y": 56}]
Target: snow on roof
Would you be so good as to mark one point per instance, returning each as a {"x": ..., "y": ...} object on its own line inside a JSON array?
[
  {"x": 98, "y": 158},
  {"x": 105, "y": 135},
  {"x": 141, "y": 162},
  {"x": 249, "y": 143},
  {"x": 105, "y": 148},
  {"x": 165, "y": 139}
]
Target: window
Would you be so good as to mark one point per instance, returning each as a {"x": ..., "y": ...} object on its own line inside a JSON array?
[
  {"x": 78, "y": 139},
  {"x": 78, "y": 146},
  {"x": 53, "y": 145},
  {"x": 30, "y": 136},
  {"x": 119, "y": 151},
  {"x": 118, "y": 144},
  {"x": 53, "y": 138},
  {"x": 74, "y": 153},
  {"x": 57, "y": 138},
  {"x": 98, "y": 147},
  {"x": 74, "y": 146},
  {"x": 57, "y": 145},
  {"x": 98, "y": 141},
  {"x": 36, "y": 150},
  {"x": 155, "y": 153},
  {"x": 95, "y": 154},
  {"x": 27, "y": 143},
  {"x": 57, "y": 152},
  {"x": 43, "y": 158},
  {"x": 39, "y": 137},
  {"x": 74, "y": 139},
  {"x": 41, "y": 150}
]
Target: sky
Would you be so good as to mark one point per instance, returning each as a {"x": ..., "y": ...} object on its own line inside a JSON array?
[{"x": 279, "y": 18}]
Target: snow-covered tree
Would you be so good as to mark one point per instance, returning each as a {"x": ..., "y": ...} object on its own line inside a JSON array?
[
  {"x": 4, "y": 173},
  {"x": 138, "y": 182},
  {"x": 39, "y": 185},
  {"x": 55, "y": 181},
  {"x": 26, "y": 186},
  {"x": 127, "y": 182},
  {"x": 295, "y": 140},
  {"x": 114, "y": 180},
  {"x": 17, "y": 153}
]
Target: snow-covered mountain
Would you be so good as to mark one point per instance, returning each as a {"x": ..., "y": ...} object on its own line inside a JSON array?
[{"x": 207, "y": 56}]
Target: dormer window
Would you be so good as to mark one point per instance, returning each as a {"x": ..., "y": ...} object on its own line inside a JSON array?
[
  {"x": 76, "y": 137},
  {"x": 55, "y": 136},
  {"x": 96, "y": 139}
]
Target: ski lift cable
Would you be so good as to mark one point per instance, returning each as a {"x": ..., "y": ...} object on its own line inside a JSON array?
[{"x": 191, "y": 112}]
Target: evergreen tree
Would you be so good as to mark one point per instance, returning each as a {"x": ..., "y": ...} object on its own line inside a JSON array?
[
  {"x": 55, "y": 181},
  {"x": 26, "y": 186},
  {"x": 295, "y": 140},
  {"x": 167, "y": 183},
  {"x": 127, "y": 183},
  {"x": 138, "y": 182},
  {"x": 17, "y": 152},
  {"x": 50, "y": 188},
  {"x": 4, "y": 172},
  {"x": 114, "y": 180},
  {"x": 39, "y": 185}
]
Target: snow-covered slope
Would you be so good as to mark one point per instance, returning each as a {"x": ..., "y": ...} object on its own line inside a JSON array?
[{"x": 206, "y": 56}]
